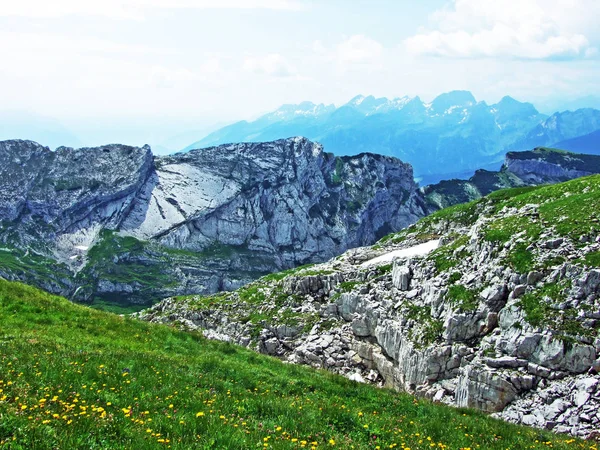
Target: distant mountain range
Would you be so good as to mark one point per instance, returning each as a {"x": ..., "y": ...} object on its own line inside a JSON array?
[
  {"x": 449, "y": 137},
  {"x": 588, "y": 143},
  {"x": 26, "y": 125}
]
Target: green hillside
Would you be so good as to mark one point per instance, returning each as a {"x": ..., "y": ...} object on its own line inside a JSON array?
[{"x": 72, "y": 377}]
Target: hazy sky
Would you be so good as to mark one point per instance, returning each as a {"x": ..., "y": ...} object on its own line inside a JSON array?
[{"x": 101, "y": 66}]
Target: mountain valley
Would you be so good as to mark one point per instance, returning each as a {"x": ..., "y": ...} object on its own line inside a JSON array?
[{"x": 138, "y": 227}]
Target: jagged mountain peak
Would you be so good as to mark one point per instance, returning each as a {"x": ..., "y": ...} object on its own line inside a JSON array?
[
  {"x": 293, "y": 111},
  {"x": 253, "y": 152},
  {"x": 369, "y": 105},
  {"x": 357, "y": 100},
  {"x": 452, "y": 99},
  {"x": 509, "y": 107},
  {"x": 508, "y": 100},
  {"x": 9, "y": 143}
]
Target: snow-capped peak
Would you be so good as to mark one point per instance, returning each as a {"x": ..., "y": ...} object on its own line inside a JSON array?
[
  {"x": 304, "y": 109},
  {"x": 357, "y": 101},
  {"x": 371, "y": 105}
]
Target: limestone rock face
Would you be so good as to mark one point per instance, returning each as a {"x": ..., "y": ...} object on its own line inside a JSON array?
[
  {"x": 484, "y": 389},
  {"x": 120, "y": 224},
  {"x": 70, "y": 189},
  {"x": 285, "y": 197},
  {"x": 401, "y": 277},
  {"x": 538, "y": 171}
]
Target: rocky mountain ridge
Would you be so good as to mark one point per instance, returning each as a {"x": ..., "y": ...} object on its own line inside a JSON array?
[
  {"x": 492, "y": 305},
  {"x": 116, "y": 223}
]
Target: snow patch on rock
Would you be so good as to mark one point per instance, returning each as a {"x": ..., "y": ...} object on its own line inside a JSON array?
[{"x": 417, "y": 250}]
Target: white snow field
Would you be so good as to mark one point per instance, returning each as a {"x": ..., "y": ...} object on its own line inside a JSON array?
[{"x": 417, "y": 250}]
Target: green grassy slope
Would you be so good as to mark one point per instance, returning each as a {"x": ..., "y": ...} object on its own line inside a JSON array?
[
  {"x": 72, "y": 377},
  {"x": 33, "y": 268},
  {"x": 572, "y": 208}
]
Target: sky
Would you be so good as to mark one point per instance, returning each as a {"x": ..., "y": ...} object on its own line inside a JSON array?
[{"x": 167, "y": 72}]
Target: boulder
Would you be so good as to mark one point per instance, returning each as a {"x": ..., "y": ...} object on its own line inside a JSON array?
[
  {"x": 401, "y": 276},
  {"x": 484, "y": 389}
]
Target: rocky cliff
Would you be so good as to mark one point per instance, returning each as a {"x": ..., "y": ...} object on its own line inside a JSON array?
[
  {"x": 116, "y": 223},
  {"x": 543, "y": 165},
  {"x": 530, "y": 168},
  {"x": 492, "y": 305}
]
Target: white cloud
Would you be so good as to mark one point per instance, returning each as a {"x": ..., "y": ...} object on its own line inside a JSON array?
[
  {"x": 165, "y": 77},
  {"x": 59, "y": 8},
  {"x": 359, "y": 49},
  {"x": 273, "y": 65},
  {"x": 319, "y": 48},
  {"x": 212, "y": 65},
  {"x": 129, "y": 9},
  {"x": 90, "y": 63},
  {"x": 51, "y": 44},
  {"x": 522, "y": 29}
]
